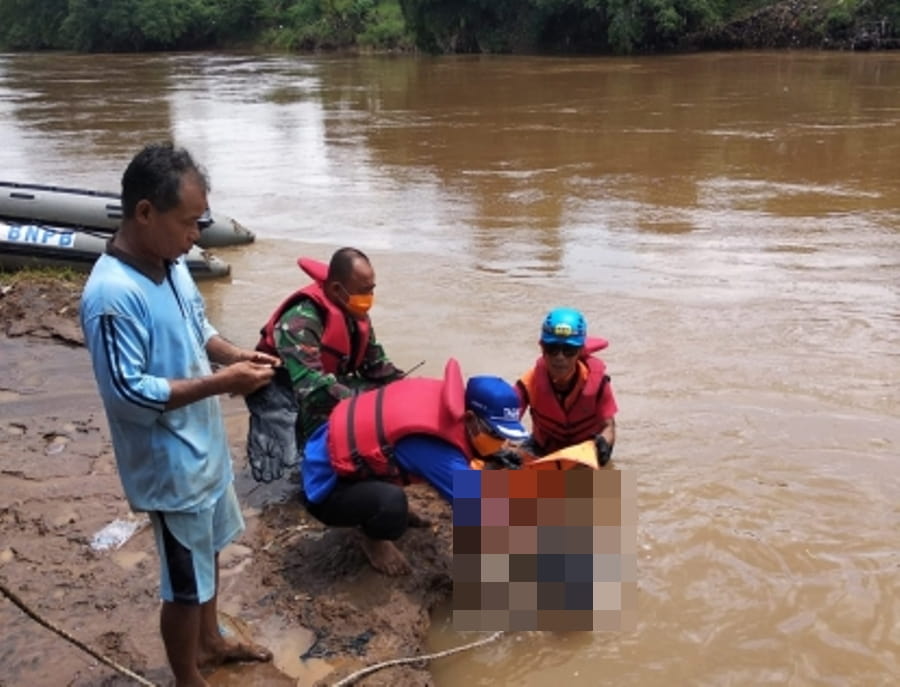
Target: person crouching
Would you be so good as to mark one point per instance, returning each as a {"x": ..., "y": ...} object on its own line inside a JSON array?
[{"x": 379, "y": 441}]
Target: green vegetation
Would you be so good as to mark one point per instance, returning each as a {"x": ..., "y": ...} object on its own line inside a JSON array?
[
  {"x": 9, "y": 278},
  {"x": 592, "y": 26},
  {"x": 861, "y": 18},
  {"x": 626, "y": 26},
  {"x": 135, "y": 25},
  {"x": 447, "y": 26},
  {"x": 330, "y": 24}
]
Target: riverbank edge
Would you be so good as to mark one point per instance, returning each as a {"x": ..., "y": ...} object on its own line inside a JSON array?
[{"x": 788, "y": 24}]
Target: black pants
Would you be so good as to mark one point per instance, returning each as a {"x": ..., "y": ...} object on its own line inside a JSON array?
[{"x": 378, "y": 508}]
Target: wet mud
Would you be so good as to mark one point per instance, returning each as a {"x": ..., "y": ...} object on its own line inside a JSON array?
[{"x": 305, "y": 591}]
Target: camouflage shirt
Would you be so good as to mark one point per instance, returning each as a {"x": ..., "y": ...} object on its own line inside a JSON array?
[{"x": 298, "y": 337}]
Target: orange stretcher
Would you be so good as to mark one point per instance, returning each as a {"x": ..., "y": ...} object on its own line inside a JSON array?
[{"x": 583, "y": 455}]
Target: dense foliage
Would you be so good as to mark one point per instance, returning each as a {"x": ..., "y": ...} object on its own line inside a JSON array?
[
  {"x": 555, "y": 25},
  {"x": 440, "y": 26},
  {"x": 623, "y": 26},
  {"x": 128, "y": 25}
]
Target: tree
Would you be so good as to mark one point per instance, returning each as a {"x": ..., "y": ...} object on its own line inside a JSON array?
[
  {"x": 31, "y": 24},
  {"x": 554, "y": 25},
  {"x": 123, "y": 25}
]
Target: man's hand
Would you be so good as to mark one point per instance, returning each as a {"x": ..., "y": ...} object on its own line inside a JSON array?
[
  {"x": 604, "y": 450},
  {"x": 223, "y": 352},
  {"x": 245, "y": 377},
  {"x": 238, "y": 378},
  {"x": 261, "y": 358}
]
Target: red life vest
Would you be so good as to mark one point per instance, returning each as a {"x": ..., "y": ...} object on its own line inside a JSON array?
[
  {"x": 555, "y": 425},
  {"x": 339, "y": 353},
  {"x": 363, "y": 430}
]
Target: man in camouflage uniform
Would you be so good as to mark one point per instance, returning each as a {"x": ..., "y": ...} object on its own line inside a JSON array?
[
  {"x": 298, "y": 337},
  {"x": 324, "y": 337}
]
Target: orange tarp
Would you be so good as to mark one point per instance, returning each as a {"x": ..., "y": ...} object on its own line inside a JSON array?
[{"x": 576, "y": 456}]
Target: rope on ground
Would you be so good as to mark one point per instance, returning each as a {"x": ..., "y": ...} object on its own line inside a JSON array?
[
  {"x": 353, "y": 677},
  {"x": 9, "y": 594}
]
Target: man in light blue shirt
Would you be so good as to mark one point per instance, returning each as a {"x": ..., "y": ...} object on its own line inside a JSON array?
[{"x": 151, "y": 347}]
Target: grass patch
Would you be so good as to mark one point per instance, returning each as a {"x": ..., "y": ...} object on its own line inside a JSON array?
[{"x": 41, "y": 274}]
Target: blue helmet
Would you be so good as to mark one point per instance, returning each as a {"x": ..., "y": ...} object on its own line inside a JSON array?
[{"x": 564, "y": 326}]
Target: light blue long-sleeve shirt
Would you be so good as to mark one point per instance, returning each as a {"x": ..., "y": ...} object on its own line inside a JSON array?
[{"x": 140, "y": 334}]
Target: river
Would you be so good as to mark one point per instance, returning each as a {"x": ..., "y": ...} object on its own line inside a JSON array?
[{"x": 729, "y": 221}]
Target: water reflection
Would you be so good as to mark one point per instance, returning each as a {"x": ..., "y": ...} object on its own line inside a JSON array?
[
  {"x": 532, "y": 154},
  {"x": 82, "y": 110}
]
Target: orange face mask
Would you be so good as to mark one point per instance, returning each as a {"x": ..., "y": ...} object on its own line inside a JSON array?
[
  {"x": 360, "y": 303},
  {"x": 486, "y": 445}
]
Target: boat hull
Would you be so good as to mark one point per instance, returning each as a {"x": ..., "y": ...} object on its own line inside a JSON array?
[
  {"x": 99, "y": 210},
  {"x": 42, "y": 245}
]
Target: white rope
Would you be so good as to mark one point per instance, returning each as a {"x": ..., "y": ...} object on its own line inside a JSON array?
[
  {"x": 353, "y": 677},
  {"x": 349, "y": 680},
  {"x": 25, "y": 608}
]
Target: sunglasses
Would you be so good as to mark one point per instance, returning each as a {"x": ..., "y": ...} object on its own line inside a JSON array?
[
  {"x": 553, "y": 349},
  {"x": 205, "y": 221}
]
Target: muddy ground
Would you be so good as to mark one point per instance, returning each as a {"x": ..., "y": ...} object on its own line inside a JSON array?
[{"x": 306, "y": 592}]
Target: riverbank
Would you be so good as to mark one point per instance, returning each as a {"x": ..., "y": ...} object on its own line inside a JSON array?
[
  {"x": 798, "y": 24},
  {"x": 573, "y": 27},
  {"x": 305, "y": 592}
]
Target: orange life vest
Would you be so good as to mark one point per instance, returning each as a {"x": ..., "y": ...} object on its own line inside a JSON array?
[
  {"x": 363, "y": 430},
  {"x": 340, "y": 352},
  {"x": 556, "y": 424}
]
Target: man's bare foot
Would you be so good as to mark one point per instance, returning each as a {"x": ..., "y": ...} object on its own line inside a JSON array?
[
  {"x": 416, "y": 520},
  {"x": 232, "y": 651},
  {"x": 384, "y": 556}
]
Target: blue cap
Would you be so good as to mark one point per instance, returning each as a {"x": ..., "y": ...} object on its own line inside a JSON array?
[
  {"x": 497, "y": 403},
  {"x": 564, "y": 326}
]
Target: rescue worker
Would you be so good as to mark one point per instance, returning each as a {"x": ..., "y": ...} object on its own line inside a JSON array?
[
  {"x": 324, "y": 337},
  {"x": 374, "y": 443},
  {"x": 568, "y": 391}
]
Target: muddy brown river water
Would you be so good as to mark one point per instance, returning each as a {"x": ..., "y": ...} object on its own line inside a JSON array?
[{"x": 730, "y": 222}]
